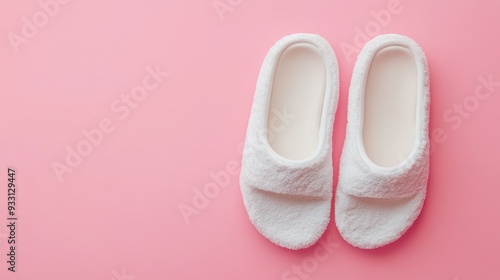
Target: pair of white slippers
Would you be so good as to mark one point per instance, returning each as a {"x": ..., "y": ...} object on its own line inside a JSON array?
[{"x": 287, "y": 175}]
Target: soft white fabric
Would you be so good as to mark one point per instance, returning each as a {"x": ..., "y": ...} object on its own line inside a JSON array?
[
  {"x": 375, "y": 205},
  {"x": 289, "y": 201}
]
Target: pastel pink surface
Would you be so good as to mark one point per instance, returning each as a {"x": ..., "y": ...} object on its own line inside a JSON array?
[{"x": 117, "y": 214}]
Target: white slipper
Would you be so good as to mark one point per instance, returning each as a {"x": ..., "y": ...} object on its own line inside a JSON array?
[
  {"x": 286, "y": 173},
  {"x": 385, "y": 160}
]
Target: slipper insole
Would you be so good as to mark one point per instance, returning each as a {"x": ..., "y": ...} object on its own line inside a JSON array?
[
  {"x": 390, "y": 107},
  {"x": 296, "y": 102}
]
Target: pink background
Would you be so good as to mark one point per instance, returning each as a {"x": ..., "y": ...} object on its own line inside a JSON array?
[{"x": 116, "y": 215}]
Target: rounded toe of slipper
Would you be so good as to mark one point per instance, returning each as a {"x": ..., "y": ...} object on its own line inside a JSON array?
[
  {"x": 290, "y": 221},
  {"x": 369, "y": 223}
]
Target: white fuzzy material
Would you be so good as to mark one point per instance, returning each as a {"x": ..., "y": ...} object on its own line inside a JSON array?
[
  {"x": 289, "y": 201},
  {"x": 375, "y": 205}
]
